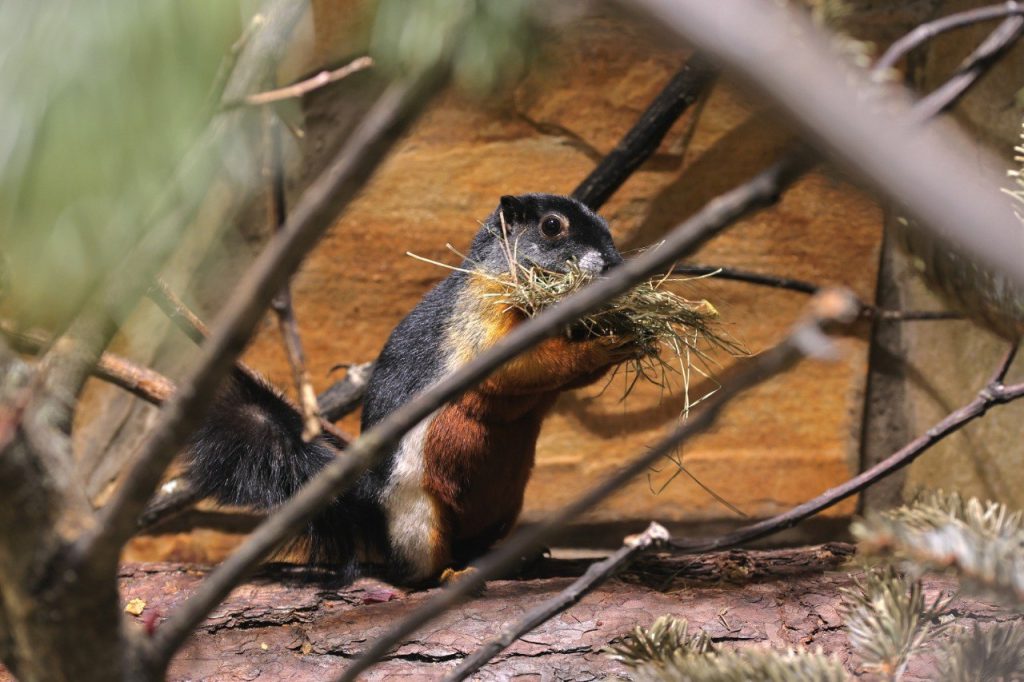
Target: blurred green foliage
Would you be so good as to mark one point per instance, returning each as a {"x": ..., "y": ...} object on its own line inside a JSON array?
[
  {"x": 99, "y": 101},
  {"x": 485, "y": 42}
]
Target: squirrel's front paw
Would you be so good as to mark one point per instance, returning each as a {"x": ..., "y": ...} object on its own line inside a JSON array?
[
  {"x": 621, "y": 348},
  {"x": 450, "y": 576}
]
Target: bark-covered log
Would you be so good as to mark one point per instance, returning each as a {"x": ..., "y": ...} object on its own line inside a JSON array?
[{"x": 291, "y": 623}]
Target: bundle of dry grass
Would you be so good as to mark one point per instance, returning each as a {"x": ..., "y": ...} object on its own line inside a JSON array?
[{"x": 675, "y": 335}]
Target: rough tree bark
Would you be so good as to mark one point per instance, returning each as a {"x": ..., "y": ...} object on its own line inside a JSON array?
[{"x": 288, "y": 623}]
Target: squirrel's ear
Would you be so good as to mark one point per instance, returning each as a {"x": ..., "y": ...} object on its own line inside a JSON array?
[{"x": 513, "y": 209}]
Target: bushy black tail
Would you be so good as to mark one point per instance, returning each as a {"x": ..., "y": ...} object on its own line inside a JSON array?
[{"x": 249, "y": 452}]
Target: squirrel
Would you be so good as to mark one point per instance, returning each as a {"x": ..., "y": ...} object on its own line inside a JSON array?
[{"x": 454, "y": 484}]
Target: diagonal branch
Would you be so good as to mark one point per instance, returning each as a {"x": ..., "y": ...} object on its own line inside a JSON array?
[
  {"x": 595, "y": 575},
  {"x": 1000, "y": 40},
  {"x": 685, "y": 88},
  {"x": 993, "y": 393}
]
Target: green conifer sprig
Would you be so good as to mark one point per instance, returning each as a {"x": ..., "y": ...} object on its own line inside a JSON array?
[
  {"x": 983, "y": 542},
  {"x": 888, "y": 620},
  {"x": 668, "y": 651},
  {"x": 993, "y": 654}
]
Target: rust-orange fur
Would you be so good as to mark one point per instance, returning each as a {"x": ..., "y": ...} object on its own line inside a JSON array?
[{"x": 479, "y": 450}]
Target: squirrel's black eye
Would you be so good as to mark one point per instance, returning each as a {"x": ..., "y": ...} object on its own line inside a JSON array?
[{"x": 553, "y": 225}]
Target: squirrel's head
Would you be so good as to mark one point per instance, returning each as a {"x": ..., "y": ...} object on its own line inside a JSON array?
[{"x": 545, "y": 230}]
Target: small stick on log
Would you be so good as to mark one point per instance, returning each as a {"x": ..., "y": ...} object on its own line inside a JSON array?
[
  {"x": 277, "y": 214},
  {"x": 598, "y": 573}
]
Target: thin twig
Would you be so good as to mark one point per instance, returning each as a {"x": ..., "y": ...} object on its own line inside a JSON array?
[
  {"x": 304, "y": 87},
  {"x": 595, "y": 575},
  {"x": 739, "y": 275},
  {"x": 931, "y": 29},
  {"x": 1000, "y": 40},
  {"x": 277, "y": 214},
  {"x": 177, "y": 311},
  {"x": 685, "y": 88},
  {"x": 805, "y": 339},
  {"x": 760, "y": 191},
  {"x": 804, "y": 287},
  {"x": 143, "y": 382},
  {"x": 994, "y": 393},
  {"x": 327, "y": 195}
]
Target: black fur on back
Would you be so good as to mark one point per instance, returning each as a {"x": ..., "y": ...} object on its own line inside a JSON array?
[{"x": 249, "y": 452}]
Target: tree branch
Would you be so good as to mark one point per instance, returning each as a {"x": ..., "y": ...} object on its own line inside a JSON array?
[
  {"x": 277, "y": 214},
  {"x": 595, "y": 575},
  {"x": 993, "y": 393},
  {"x": 344, "y": 396},
  {"x": 976, "y": 64},
  {"x": 801, "y": 286},
  {"x": 143, "y": 382},
  {"x": 685, "y": 88}
]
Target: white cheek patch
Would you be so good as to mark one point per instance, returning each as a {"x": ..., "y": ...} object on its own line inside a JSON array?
[{"x": 592, "y": 262}]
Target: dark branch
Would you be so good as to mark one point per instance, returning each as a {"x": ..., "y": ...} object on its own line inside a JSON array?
[
  {"x": 344, "y": 396},
  {"x": 175, "y": 497},
  {"x": 777, "y": 50},
  {"x": 685, "y": 88}
]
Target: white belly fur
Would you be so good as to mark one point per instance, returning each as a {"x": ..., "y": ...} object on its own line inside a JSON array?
[{"x": 411, "y": 515}]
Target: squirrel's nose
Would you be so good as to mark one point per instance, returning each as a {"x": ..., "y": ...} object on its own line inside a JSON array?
[{"x": 611, "y": 261}]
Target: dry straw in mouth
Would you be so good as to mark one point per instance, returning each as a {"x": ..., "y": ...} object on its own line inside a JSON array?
[{"x": 675, "y": 335}]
